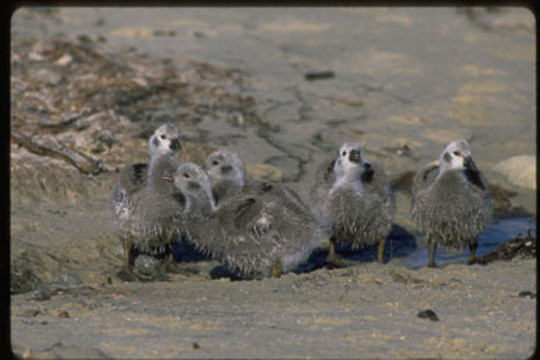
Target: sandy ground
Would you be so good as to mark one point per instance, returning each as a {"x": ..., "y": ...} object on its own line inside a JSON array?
[
  {"x": 401, "y": 100},
  {"x": 368, "y": 310}
]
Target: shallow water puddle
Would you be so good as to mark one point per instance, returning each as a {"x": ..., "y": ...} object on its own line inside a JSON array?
[{"x": 498, "y": 232}]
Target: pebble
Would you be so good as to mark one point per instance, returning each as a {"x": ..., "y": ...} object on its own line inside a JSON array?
[
  {"x": 68, "y": 280},
  {"x": 428, "y": 314},
  {"x": 519, "y": 170},
  {"x": 527, "y": 293},
  {"x": 147, "y": 265}
]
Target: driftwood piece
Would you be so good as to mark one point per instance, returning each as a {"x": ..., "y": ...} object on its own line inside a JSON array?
[{"x": 82, "y": 162}]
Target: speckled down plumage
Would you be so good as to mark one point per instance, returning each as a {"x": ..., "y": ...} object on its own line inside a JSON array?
[
  {"x": 261, "y": 226},
  {"x": 151, "y": 217},
  {"x": 361, "y": 215},
  {"x": 131, "y": 179},
  {"x": 451, "y": 209},
  {"x": 324, "y": 179},
  {"x": 141, "y": 206}
]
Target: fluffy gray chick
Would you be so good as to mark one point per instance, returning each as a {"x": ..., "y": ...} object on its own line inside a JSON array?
[
  {"x": 134, "y": 188},
  {"x": 451, "y": 201},
  {"x": 359, "y": 206},
  {"x": 260, "y": 231}
]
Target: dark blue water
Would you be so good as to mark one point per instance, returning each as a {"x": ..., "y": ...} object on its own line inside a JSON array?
[
  {"x": 408, "y": 249},
  {"x": 402, "y": 247},
  {"x": 498, "y": 232}
]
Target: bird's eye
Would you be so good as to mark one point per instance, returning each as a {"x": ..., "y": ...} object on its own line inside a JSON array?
[
  {"x": 457, "y": 153},
  {"x": 215, "y": 162},
  {"x": 186, "y": 175},
  {"x": 344, "y": 153},
  {"x": 163, "y": 137}
]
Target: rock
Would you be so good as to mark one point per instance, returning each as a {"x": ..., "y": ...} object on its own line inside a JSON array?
[
  {"x": 520, "y": 247},
  {"x": 428, "y": 314},
  {"x": 23, "y": 278},
  {"x": 68, "y": 281},
  {"x": 148, "y": 266},
  {"x": 319, "y": 75},
  {"x": 519, "y": 170},
  {"x": 527, "y": 293},
  {"x": 118, "y": 251}
]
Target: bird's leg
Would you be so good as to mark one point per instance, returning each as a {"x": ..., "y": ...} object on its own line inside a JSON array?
[
  {"x": 380, "y": 250},
  {"x": 126, "y": 272},
  {"x": 276, "y": 270},
  {"x": 333, "y": 258},
  {"x": 472, "y": 252},
  {"x": 432, "y": 246},
  {"x": 170, "y": 264},
  {"x": 172, "y": 267}
]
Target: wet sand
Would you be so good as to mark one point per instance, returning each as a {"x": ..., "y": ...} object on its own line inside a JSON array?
[{"x": 403, "y": 83}]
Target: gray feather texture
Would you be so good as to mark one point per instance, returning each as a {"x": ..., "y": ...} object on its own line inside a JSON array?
[
  {"x": 157, "y": 210},
  {"x": 354, "y": 198},
  {"x": 451, "y": 200},
  {"x": 261, "y": 226},
  {"x": 142, "y": 204},
  {"x": 324, "y": 179}
]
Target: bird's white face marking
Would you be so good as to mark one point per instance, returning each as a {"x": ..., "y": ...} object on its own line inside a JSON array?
[
  {"x": 224, "y": 165},
  {"x": 349, "y": 161},
  {"x": 455, "y": 156},
  {"x": 164, "y": 141},
  {"x": 349, "y": 165},
  {"x": 193, "y": 180}
]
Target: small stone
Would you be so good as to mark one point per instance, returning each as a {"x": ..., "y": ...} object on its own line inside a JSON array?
[
  {"x": 64, "y": 60},
  {"x": 118, "y": 251},
  {"x": 23, "y": 277},
  {"x": 527, "y": 293},
  {"x": 428, "y": 314},
  {"x": 68, "y": 280},
  {"x": 147, "y": 265},
  {"x": 319, "y": 75}
]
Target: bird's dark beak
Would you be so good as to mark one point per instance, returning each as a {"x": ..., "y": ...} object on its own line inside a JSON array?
[
  {"x": 175, "y": 145},
  {"x": 354, "y": 155},
  {"x": 226, "y": 169},
  {"x": 469, "y": 163},
  {"x": 167, "y": 177}
]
